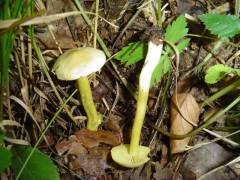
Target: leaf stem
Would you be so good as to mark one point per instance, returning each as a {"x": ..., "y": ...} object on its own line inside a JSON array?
[{"x": 221, "y": 93}]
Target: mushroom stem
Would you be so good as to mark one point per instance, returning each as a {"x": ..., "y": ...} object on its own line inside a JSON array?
[
  {"x": 151, "y": 61},
  {"x": 138, "y": 120},
  {"x": 94, "y": 118}
]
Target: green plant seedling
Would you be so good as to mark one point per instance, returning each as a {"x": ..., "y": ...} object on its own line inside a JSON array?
[
  {"x": 218, "y": 72},
  {"x": 77, "y": 64},
  {"x": 133, "y": 155}
]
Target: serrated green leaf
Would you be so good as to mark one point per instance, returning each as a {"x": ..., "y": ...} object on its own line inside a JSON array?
[
  {"x": 175, "y": 34},
  {"x": 5, "y": 158},
  {"x": 132, "y": 53},
  {"x": 39, "y": 167},
  {"x": 182, "y": 44},
  {"x": 177, "y": 30},
  {"x": 216, "y": 73},
  {"x": 221, "y": 25}
]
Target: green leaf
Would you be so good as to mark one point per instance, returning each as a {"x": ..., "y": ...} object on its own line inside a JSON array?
[
  {"x": 132, "y": 53},
  {"x": 157, "y": 74},
  {"x": 39, "y": 167},
  {"x": 177, "y": 30},
  {"x": 237, "y": 71},
  {"x": 5, "y": 158},
  {"x": 162, "y": 68},
  {"x": 221, "y": 25},
  {"x": 166, "y": 64},
  {"x": 182, "y": 44},
  {"x": 216, "y": 73},
  {"x": 1, "y": 137}
]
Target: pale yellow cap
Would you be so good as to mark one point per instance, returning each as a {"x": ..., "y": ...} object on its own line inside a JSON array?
[{"x": 79, "y": 62}]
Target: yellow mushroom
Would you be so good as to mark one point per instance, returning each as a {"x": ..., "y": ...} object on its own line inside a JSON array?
[
  {"x": 133, "y": 155},
  {"x": 77, "y": 64}
]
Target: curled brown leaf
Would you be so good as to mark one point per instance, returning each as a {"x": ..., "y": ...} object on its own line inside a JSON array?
[
  {"x": 184, "y": 114},
  {"x": 88, "y": 139}
]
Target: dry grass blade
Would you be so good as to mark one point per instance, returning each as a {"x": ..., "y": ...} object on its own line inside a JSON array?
[
  {"x": 10, "y": 123},
  {"x": 29, "y": 111},
  {"x": 236, "y": 160},
  {"x": 40, "y": 93},
  {"x": 37, "y": 20},
  {"x": 46, "y": 19},
  {"x": 43, "y": 135},
  {"x": 18, "y": 22},
  {"x": 17, "y": 141},
  {"x": 218, "y": 138}
]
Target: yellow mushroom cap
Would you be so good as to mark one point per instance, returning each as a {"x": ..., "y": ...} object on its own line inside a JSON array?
[
  {"x": 121, "y": 155},
  {"x": 79, "y": 62}
]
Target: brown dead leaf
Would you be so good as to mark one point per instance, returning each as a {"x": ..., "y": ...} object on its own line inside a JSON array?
[
  {"x": 187, "y": 110},
  {"x": 89, "y": 139},
  {"x": 77, "y": 148},
  {"x": 93, "y": 138},
  {"x": 63, "y": 146},
  {"x": 113, "y": 123},
  {"x": 93, "y": 163},
  {"x": 84, "y": 156},
  {"x": 184, "y": 85}
]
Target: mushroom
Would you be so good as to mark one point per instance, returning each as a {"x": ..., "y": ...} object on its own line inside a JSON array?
[
  {"x": 77, "y": 64},
  {"x": 133, "y": 155}
]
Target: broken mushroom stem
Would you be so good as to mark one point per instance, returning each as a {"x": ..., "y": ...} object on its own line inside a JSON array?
[
  {"x": 151, "y": 61},
  {"x": 133, "y": 154}
]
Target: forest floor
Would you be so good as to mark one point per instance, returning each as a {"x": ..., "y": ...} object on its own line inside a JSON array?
[{"x": 35, "y": 94}]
